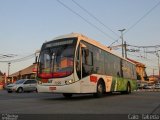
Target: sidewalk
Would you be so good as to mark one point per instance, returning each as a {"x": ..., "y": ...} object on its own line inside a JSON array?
[{"x": 149, "y": 90}]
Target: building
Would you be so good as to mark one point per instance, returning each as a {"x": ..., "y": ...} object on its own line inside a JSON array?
[
  {"x": 2, "y": 80},
  {"x": 154, "y": 78},
  {"x": 1, "y": 77},
  {"x": 26, "y": 73},
  {"x": 140, "y": 70}
]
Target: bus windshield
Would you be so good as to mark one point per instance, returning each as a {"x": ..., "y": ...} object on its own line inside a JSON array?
[{"x": 56, "y": 59}]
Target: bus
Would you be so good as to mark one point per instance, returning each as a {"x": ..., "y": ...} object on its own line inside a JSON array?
[{"x": 74, "y": 63}]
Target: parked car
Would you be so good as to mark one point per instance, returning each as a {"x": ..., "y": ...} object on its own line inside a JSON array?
[
  {"x": 149, "y": 86},
  {"x": 5, "y": 84},
  {"x": 141, "y": 85},
  {"x": 157, "y": 86},
  {"x": 22, "y": 85}
]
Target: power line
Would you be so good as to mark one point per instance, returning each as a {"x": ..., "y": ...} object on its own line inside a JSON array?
[
  {"x": 95, "y": 17},
  {"x": 23, "y": 59},
  {"x": 146, "y": 61},
  {"x": 142, "y": 57},
  {"x": 153, "y": 46},
  {"x": 2, "y": 56},
  {"x": 20, "y": 59},
  {"x": 141, "y": 18},
  {"x": 85, "y": 19}
]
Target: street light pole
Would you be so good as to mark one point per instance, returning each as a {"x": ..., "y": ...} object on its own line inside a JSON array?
[{"x": 122, "y": 41}]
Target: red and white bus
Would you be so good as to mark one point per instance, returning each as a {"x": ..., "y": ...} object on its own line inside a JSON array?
[{"x": 74, "y": 63}]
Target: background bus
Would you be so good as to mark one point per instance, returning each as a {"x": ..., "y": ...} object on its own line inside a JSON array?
[{"x": 74, "y": 63}]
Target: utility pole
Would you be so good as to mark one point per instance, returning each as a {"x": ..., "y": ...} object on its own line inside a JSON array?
[
  {"x": 125, "y": 49},
  {"x": 153, "y": 74},
  {"x": 9, "y": 64},
  {"x": 122, "y": 41}
]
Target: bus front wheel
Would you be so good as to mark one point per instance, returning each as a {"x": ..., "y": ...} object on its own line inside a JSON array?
[
  {"x": 67, "y": 95},
  {"x": 100, "y": 89}
]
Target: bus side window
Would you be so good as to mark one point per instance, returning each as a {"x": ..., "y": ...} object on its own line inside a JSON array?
[{"x": 87, "y": 57}]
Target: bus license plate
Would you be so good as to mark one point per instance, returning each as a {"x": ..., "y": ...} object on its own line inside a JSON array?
[{"x": 52, "y": 88}]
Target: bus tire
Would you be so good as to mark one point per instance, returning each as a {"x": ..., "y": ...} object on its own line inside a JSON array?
[
  {"x": 128, "y": 89},
  {"x": 67, "y": 95},
  {"x": 100, "y": 89}
]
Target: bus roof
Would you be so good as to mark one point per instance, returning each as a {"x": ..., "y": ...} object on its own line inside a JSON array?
[
  {"x": 85, "y": 38},
  {"x": 91, "y": 41}
]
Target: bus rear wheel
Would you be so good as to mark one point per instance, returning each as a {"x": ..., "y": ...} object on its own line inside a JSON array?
[
  {"x": 67, "y": 95},
  {"x": 100, "y": 89},
  {"x": 128, "y": 89}
]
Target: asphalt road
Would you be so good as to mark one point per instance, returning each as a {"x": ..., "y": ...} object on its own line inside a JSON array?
[{"x": 138, "y": 102}]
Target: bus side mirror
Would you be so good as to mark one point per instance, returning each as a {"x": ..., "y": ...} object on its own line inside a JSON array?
[
  {"x": 36, "y": 59},
  {"x": 37, "y": 55}
]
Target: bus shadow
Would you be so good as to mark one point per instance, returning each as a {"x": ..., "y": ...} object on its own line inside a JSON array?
[{"x": 77, "y": 97}]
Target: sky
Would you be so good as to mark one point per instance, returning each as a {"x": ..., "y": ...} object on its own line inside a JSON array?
[{"x": 26, "y": 24}]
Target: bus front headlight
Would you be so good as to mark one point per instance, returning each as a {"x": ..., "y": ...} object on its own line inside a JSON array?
[{"x": 69, "y": 82}]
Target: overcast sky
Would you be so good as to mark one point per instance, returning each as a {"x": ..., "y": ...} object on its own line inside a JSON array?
[{"x": 26, "y": 24}]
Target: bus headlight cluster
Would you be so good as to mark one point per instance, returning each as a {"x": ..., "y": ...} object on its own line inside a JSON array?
[
  {"x": 68, "y": 82},
  {"x": 39, "y": 82}
]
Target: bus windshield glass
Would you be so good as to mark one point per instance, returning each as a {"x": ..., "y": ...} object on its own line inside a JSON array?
[{"x": 56, "y": 58}]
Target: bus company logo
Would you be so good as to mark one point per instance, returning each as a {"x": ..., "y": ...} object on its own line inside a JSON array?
[
  {"x": 93, "y": 79},
  {"x": 57, "y": 82}
]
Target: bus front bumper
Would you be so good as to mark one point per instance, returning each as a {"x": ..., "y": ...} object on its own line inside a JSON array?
[{"x": 72, "y": 88}]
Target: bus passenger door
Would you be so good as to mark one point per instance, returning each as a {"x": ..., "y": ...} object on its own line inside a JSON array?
[
  {"x": 86, "y": 63},
  {"x": 79, "y": 60},
  {"x": 84, "y": 52}
]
